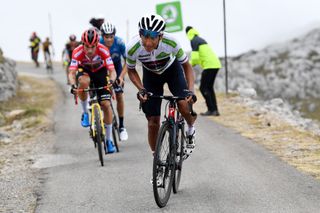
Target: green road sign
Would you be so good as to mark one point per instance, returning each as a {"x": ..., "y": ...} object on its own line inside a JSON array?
[{"x": 171, "y": 12}]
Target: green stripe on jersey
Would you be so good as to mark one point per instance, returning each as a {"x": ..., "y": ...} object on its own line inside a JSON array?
[
  {"x": 169, "y": 42},
  {"x": 134, "y": 48},
  {"x": 162, "y": 55},
  {"x": 180, "y": 53},
  {"x": 130, "y": 61}
]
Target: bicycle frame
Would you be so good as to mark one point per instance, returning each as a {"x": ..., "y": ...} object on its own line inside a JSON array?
[{"x": 94, "y": 103}]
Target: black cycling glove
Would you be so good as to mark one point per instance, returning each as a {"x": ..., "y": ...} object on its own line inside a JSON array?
[
  {"x": 142, "y": 93},
  {"x": 190, "y": 93},
  {"x": 72, "y": 89}
]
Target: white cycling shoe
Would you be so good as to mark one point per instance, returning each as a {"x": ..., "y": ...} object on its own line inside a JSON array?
[
  {"x": 123, "y": 134},
  {"x": 189, "y": 146}
]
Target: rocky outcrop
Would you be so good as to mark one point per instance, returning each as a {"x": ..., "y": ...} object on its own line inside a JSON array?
[
  {"x": 8, "y": 78},
  {"x": 290, "y": 71}
]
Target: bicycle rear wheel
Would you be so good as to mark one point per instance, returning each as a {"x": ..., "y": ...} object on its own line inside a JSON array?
[
  {"x": 180, "y": 140},
  {"x": 115, "y": 129},
  {"x": 163, "y": 166},
  {"x": 99, "y": 139}
]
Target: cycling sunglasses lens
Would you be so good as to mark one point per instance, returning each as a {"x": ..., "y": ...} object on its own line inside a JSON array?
[{"x": 147, "y": 33}]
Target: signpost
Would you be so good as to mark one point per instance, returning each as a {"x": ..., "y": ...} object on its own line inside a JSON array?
[{"x": 171, "y": 12}]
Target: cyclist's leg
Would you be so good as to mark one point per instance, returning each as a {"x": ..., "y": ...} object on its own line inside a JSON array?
[
  {"x": 152, "y": 83},
  {"x": 83, "y": 81},
  {"x": 177, "y": 85},
  {"x": 120, "y": 108},
  {"x": 104, "y": 98},
  {"x": 107, "y": 117},
  {"x": 36, "y": 53},
  {"x": 49, "y": 63},
  {"x": 46, "y": 59},
  {"x": 123, "y": 134}
]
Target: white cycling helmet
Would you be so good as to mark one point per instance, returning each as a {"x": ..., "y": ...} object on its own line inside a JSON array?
[
  {"x": 152, "y": 22},
  {"x": 108, "y": 28}
]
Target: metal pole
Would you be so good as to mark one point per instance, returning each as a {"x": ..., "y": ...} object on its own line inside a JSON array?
[
  {"x": 225, "y": 44},
  {"x": 51, "y": 34}
]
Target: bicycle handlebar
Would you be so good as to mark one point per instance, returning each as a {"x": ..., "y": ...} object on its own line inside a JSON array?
[
  {"x": 169, "y": 98},
  {"x": 107, "y": 87},
  {"x": 94, "y": 89},
  {"x": 166, "y": 97}
]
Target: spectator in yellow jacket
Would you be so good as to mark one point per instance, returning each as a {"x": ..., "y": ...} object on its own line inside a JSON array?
[{"x": 203, "y": 55}]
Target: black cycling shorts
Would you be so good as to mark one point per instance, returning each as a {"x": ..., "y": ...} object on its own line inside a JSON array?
[
  {"x": 98, "y": 79},
  {"x": 173, "y": 76}
]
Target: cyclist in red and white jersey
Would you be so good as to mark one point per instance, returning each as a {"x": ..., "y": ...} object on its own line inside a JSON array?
[{"x": 94, "y": 61}]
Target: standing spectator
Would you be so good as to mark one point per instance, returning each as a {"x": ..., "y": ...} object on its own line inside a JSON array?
[
  {"x": 35, "y": 44},
  {"x": 203, "y": 55}
]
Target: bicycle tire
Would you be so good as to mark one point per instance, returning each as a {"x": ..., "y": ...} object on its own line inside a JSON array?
[
  {"x": 98, "y": 136},
  {"x": 167, "y": 165},
  {"x": 180, "y": 137},
  {"x": 115, "y": 129},
  {"x": 115, "y": 135}
]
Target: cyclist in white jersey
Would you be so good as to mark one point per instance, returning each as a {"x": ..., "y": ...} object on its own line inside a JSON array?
[{"x": 163, "y": 61}]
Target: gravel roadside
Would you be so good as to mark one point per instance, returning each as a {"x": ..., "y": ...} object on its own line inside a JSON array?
[{"x": 20, "y": 142}]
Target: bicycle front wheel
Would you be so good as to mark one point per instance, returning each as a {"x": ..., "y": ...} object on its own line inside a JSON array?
[
  {"x": 180, "y": 141},
  {"x": 99, "y": 139},
  {"x": 163, "y": 165}
]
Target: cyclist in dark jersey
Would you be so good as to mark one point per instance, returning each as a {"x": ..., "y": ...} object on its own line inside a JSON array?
[
  {"x": 117, "y": 50},
  {"x": 35, "y": 45},
  {"x": 70, "y": 46},
  {"x": 46, "y": 51},
  {"x": 163, "y": 61}
]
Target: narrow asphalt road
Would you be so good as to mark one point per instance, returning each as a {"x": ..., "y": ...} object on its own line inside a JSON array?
[{"x": 226, "y": 173}]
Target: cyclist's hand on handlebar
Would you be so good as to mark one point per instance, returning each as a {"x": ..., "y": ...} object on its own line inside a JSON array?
[
  {"x": 191, "y": 97},
  {"x": 119, "y": 82},
  {"x": 111, "y": 82},
  {"x": 142, "y": 95},
  {"x": 73, "y": 89}
]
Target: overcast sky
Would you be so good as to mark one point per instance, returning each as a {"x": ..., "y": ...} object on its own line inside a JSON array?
[{"x": 251, "y": 24}]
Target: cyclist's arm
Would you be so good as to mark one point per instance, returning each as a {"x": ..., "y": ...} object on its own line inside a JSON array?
[
  {"x": 72, "y": 77},
  {"x": 72, "y": 71},
  {"x": 188, "y": 72},
  {"x": 112, "y": 74},
  {"x": 123, "y": 54},
  {"x": 123, "y": 73},
  {"x": 135, "y": 78}
]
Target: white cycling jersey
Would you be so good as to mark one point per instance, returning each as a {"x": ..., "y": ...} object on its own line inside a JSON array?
[{"x": 159, "y": 59}]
